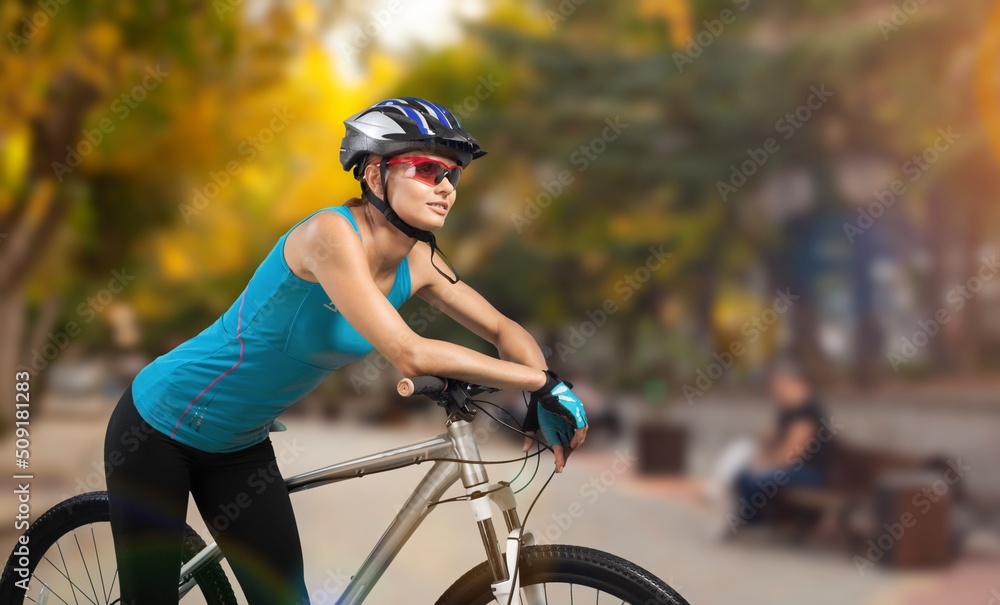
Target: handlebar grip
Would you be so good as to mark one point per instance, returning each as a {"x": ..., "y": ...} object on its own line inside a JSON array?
[{"x": 421, "y": 385}]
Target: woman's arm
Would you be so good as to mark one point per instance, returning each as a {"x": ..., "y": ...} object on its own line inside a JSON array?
[
  {"x": 794, "y": 444},
  {"x": 335, "y": 256},
  {"x": 468, "y": 307}
]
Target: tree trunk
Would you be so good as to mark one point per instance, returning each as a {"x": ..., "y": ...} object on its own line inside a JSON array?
[
  {"x": 47, "y": 317},
  {"x": 12, "y": 318},
  {"x": 36, "y": 216}
]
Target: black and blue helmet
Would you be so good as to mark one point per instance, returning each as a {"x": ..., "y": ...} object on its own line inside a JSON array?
[{"x": 397, "y": 125}]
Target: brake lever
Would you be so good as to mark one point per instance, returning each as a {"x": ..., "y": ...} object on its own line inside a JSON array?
[{"x": 476, "y": 389}]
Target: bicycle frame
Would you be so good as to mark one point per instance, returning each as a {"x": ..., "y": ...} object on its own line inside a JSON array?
[{"x": 458, "y": 443}]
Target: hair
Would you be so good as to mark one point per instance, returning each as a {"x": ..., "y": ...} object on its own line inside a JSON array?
[
  {"x": 787, "y": 367},
  {"x": 370, "y": 160}
]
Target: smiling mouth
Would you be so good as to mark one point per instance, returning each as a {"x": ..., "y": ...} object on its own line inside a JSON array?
[{"x": 439, "y": 207}]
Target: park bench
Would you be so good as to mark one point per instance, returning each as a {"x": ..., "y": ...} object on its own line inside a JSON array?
[{"x": 870, "y": 491}]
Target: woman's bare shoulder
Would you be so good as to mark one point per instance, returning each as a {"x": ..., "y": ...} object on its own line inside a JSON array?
[{"x": 323, "y": 236}]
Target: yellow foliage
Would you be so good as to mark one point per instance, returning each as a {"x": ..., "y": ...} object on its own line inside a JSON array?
[
  {"x": 102, "y": 39},
  {"x": 306, "y": 16},
  {"x": 642, "y": 227},
  {"x": 675, "y": 13},
  {"x": 225, "y": 232},
  {"x": 517, "y": 16},
  {"x": 734, "y": 310},
  {"x": 321, "y": 101},
  {"x": 98, "y": 46},
  {"x": 148, "y": 304},
  {"x": 21, "y": 88},
  {"x": 173, "y": 255},
  {"x": 384, "y": 70},
  {"x": 14, "y": 147},
  {"x": 213, "y": 245}
]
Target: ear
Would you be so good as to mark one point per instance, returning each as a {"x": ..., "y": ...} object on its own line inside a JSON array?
[{"x": 373, "y": 179}]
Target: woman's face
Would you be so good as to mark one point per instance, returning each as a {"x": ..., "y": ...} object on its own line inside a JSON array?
[{"x": 419, "y": 204}]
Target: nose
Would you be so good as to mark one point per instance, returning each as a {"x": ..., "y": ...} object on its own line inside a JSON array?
[{"x": 444, "y": 186}]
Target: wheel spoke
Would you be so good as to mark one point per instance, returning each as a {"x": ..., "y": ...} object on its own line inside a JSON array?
[
  {"x": 65, "y": 554},
  {"x": 73, "y": 586},
  {"x": 100, "y": 571},
  {"x": 52, "y": 592},
  {"x": 86, "y": 568},
  {"x": 114, "y": 579}
]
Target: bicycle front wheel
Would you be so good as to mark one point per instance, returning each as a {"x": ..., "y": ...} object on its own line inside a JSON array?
[
  {"x": 568, "y": 574},
  {"x": 71, "y": 559}
]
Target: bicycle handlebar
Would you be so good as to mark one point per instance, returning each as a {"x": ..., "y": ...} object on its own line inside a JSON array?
[
  {"x": 421, "y": 385},
  {"x": 435, "y": 386}
]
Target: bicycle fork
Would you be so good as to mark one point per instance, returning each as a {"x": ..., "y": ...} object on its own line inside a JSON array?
[{"x": 481, "y": 493}]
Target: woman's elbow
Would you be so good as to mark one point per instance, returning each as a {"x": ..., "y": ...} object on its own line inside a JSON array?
[{"x": 411, "y": 360}]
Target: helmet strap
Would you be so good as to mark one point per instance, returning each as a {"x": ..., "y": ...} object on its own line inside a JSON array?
[{"x": 390, "y": 215}]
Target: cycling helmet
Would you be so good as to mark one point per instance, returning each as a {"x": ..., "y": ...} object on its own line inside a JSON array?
[{"x": 394, "y": 126}]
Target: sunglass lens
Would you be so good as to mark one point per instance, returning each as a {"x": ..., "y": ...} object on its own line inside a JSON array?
[{"x": 432, "y": 172}]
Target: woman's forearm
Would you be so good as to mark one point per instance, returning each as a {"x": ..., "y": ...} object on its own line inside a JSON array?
[
  {"x": 439, "y": 358},
  {"x": 514, "y": 343}
]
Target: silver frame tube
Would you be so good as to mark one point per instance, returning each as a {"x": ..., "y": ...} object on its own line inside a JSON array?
[
  {"x": 400, "y": 457},
  {"x": 434, "y": 484},
  {"x": 440, "y": 477}
]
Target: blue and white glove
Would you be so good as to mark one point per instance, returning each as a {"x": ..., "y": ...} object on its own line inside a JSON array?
[{"x": 557, "y": 411}]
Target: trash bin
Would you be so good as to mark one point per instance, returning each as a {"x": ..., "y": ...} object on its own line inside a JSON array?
[
  {"x": 662, "y": 448},
  {"x": 914, "y": 513}
]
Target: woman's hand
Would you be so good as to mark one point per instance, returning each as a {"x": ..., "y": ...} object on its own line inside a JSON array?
[{"x": 560, "y": 415}]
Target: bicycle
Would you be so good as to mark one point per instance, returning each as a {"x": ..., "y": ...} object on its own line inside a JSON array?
[{"x": 525, "y": 574}]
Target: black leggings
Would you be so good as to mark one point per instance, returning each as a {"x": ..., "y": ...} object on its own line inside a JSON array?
[{"x": 241, "y": 497}]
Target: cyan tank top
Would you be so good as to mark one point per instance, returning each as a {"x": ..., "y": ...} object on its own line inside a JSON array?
[{"x": 220, "y": 390}]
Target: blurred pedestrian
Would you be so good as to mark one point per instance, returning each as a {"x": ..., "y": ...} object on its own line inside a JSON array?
[{"x": 795, "y": 453}]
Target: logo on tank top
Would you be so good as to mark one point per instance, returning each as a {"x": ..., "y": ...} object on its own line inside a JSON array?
[{"x": 331, "y": 306}]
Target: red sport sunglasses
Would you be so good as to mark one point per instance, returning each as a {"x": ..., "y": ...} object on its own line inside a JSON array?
[{"x": 428, "y": 170}]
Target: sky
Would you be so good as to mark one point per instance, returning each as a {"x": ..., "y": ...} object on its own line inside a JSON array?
[{"x": 397, "y": 26}]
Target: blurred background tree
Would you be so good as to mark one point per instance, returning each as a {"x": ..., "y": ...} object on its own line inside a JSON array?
[
  {"x": 115, "y": 114},
  {"x": 698, "y": 91},
  {"x": 181, "y": 189}
]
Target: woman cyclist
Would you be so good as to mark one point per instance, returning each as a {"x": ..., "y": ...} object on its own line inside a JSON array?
[{"x": 196, "y": 419}]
